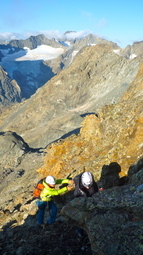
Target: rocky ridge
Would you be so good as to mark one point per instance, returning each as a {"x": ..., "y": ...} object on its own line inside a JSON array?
[
  {"x": 112, "y": 218},
  {"x": 33, "y": 41},
  {"x": 10, "y": 91}
]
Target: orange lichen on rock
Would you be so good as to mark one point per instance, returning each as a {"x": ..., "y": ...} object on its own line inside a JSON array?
[{"x": 115, "y": 136}]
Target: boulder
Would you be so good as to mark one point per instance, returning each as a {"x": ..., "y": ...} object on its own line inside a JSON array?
[{"x": 113, "y": 220}]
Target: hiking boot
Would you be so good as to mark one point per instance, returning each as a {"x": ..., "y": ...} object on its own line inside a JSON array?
[
  {"x": 46, "y": 225},
  {"x": 41, "y": 226}
]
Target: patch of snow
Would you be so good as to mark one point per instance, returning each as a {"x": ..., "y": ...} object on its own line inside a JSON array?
[
  {"x": 132, "y": 56},
  {"x": 68, "y": 43},
  {"x": 117, "y": 51},
  {"x": 91, "y": 44},
  {"x": 73, "y": 55},
  {"x": 26, "y": 48}
]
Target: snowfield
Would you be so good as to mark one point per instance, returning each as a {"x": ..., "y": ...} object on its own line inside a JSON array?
[
  {"x": 27, "y": 60},
  {"x": 42, "y": 52}
]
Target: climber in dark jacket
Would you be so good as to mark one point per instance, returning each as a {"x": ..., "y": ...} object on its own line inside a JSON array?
[{"x": 86, "y": 186}]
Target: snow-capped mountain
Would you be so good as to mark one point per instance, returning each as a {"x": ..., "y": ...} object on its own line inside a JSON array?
[
  {"x": 23, "y": 61},
  {"x": 27, "y": 68},
  {"x": 34, "y": 61},
  {"x": 31, "y": 62}
]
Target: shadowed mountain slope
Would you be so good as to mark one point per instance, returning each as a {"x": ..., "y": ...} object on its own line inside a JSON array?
[{"x": 10, "y": 92}]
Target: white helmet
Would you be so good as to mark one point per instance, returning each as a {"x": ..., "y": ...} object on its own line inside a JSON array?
[
  {"x": 50, "y": 180},
  {"x": 87, "y": 179}
]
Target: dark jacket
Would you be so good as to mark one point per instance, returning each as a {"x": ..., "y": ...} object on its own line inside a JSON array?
[{"x": 80, "y": 190}]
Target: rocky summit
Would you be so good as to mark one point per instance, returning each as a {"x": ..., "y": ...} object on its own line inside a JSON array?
[{"x": 87, "y": 117}]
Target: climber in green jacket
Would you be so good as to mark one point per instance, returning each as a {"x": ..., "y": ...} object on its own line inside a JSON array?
[{"x": 46, "y": 196}]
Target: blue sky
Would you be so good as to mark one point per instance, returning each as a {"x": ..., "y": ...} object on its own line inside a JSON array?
[{"x": 118, "y": 21}]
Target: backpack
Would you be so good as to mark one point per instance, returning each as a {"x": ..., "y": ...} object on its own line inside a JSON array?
[{"x": 38, "y": 188}]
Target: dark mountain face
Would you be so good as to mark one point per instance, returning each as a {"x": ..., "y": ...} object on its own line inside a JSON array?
[{"x": 10, "y": 92}]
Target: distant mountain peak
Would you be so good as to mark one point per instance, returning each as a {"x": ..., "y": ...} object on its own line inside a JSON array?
[{"x": 68, "y": 32}]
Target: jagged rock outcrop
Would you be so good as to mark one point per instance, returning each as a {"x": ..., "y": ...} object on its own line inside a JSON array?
[
  {"x": 78, "y": 44},
  {"x": 132, "y": 51},
  {"x": 92, "y": 39},
  {"x": 113, "y": 219},
  {"x": 10, "y": 91},
  {"x": 33, "y": 41},
  {"x": 17, "y": 164},
  {"x": 114, "y": 225},
  {"x": 12, "y": 148}
]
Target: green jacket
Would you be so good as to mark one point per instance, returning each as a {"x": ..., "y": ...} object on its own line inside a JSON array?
[{"x": 47, "y": 193}]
